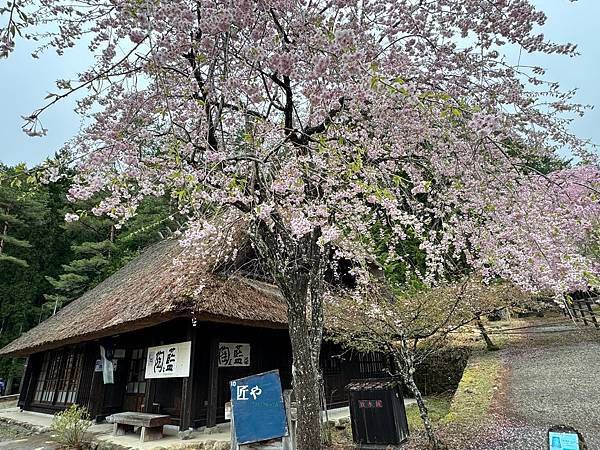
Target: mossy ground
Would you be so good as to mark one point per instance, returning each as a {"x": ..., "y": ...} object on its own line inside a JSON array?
[
  {"x": 437, "y": 406},
  {"x": 470, "y": 403},
  {"x": 12, "y": 431},
  {"x": 473, "y": 397}
]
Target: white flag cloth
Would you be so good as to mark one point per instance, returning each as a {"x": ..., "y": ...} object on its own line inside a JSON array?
[{"x": 107, "y": 367}]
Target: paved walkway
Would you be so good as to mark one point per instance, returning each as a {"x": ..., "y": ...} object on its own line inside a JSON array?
[
  {"x": 103, "y": 432},
  {"x": 553, "y": 379}
]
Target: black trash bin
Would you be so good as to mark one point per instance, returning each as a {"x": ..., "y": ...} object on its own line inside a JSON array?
[{"x": 377, "y": 413}]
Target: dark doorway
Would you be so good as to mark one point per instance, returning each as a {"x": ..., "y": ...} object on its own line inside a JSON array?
[{"x": 135, "y": 389}]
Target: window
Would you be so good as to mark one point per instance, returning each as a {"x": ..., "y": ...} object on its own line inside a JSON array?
[
  {"x": 136, "y": 383},
  {"x": 58, "y": 379},
  {"x": 371, "y": 363},
  {"x": 37, "y": 396}
]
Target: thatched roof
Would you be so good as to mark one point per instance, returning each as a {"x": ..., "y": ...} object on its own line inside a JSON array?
[{"x": 164, "y": 282}]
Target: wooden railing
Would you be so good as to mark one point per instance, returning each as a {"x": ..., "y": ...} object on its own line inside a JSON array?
[{"x": 582, "y": 310}]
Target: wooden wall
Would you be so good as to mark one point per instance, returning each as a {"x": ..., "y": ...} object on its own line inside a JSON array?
[
  {"x": 201, "y": 397},
  {"x": 269, "y": 349}
]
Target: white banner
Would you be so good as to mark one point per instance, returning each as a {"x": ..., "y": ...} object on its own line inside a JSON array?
[
  {"x": 234, "y": 355},
  {"x": 169, "y": 361}
]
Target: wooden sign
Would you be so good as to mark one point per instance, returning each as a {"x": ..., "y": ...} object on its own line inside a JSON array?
[
  {"x": 234, "y": 354},
  {"x": 169, "y": 361}
]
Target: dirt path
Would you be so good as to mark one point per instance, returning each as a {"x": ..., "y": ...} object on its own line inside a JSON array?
[{"x": 552, "y": 378}]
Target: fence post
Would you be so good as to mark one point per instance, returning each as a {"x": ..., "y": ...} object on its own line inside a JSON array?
[
  {"x": 573, "y": 311},
  {"x": 592, "y": 314},
  {"x": 582, "y": 312}
]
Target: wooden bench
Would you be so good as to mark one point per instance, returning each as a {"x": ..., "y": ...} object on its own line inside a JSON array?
[{"x": 151, "y": 424}]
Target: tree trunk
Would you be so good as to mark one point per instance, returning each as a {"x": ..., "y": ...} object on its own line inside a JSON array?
[
  {"x": 306, "y": 390},
  {"x": 488, "y": 341},
  {"x": 405, "y": 364},
  {"x": 298, "y": 267},
  {"x": 4, "y": 233},
  {"x": 434, "y": 442}
]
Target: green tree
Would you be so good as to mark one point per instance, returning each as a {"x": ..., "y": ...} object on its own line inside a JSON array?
[
  {"x": 80, "y": 274},
  {"x": 75, "y": 256},
  {"x": 99, "y": 247},
  {"x": 30, "y": 244},
  {"x": 17, "y": 208}
]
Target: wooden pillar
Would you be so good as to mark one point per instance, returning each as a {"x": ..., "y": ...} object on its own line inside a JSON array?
[
  {"x": 213, "y": 383},
  {"x": 26, "y": 387},
  {"x": 581, "y": 311},
  {"x": 149, "y": 396},
  {"x": 187, "y": 393}
]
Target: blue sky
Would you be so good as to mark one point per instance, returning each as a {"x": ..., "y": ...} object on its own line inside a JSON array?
[{"x": 24, "y": 82}]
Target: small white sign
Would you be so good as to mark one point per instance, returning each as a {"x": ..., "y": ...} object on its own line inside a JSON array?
[
  {"x": 98, "y": 367},
  {"x": 169, "y": 361},
  {"x": 234, "y": 354}
]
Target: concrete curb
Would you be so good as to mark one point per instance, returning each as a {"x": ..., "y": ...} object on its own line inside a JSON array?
[{"x": 35, "y": 429}]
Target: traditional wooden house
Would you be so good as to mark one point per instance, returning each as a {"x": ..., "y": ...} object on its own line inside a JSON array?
[{"x": 168, "y": 303}]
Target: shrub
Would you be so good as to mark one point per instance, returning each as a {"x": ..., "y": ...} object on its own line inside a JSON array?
[{"x": 70, "y": 426}]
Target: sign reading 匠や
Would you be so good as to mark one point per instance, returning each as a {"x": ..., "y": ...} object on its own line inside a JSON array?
[
  {"x": 258, "y": 409},
  {"x": 169, "y": 361},
  {"x": 234, "y": 355}
]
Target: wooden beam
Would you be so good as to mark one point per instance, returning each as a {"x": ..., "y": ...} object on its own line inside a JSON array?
[
  {"x": 213, "y": 383},
  {"x": 187, "y": 389}
]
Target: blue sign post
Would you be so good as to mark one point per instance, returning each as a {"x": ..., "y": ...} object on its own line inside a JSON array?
[{"x": 258, "y": 409}]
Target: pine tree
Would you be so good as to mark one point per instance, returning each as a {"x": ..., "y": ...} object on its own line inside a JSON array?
[
  {"x": 28, "y": 243},
  {"x": 13, "y": 205},
  {"x": 82, "y": 273},
  {"x": 99, "y": 248}
]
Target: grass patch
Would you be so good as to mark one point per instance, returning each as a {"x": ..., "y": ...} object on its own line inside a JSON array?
[
  {"x": 438, "y": 407},
  {"x": 340, "y": 438},
  {"x": 475, "y": 391}
]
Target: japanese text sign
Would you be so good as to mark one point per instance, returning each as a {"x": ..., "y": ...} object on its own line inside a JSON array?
[
  {"x": 234, "y": 355},
  {"x": 258, "y": 409},
  {"x": 563, "y": 441},
  {"x": 368, "y": 404},
  {"x": 169, "y": 361}
]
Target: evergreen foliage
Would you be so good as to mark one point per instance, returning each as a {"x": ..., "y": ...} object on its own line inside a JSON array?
[
  {"x": 45, "y": 262},
  {"x": 17, "y": 210}
]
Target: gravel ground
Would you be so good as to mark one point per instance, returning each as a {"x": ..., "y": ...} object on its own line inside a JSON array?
[{"x": 552, "y": 379}]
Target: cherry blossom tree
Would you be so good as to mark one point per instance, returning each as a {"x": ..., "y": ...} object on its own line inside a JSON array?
[
  {"x": 315, "y": 120},
  {"x": 414, "y": 325},
  {"x": 538, "y": 236}
]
